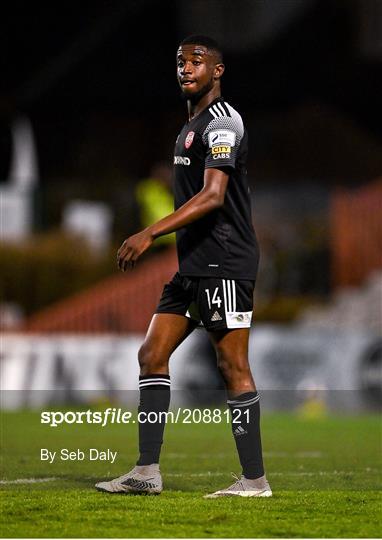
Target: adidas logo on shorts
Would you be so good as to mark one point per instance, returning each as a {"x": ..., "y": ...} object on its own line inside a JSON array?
[{"x": 216, "y": 317}]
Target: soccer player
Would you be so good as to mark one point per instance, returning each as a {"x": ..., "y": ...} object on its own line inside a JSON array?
[{"x": 218, "y": 260}]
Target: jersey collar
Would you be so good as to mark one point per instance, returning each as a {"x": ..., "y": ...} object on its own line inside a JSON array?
[{"x": 216, "y": 100}]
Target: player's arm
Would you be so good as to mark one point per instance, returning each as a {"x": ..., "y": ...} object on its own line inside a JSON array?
[{"x": 210, "y": 197}]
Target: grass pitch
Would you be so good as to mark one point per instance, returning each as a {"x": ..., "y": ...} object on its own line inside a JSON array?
[{"x": 325, "y": 475}]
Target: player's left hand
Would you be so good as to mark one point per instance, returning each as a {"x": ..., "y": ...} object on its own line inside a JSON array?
[{"x": 132, "y": 248}]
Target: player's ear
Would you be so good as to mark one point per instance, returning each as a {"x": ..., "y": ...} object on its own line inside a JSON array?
[{"x": 218, "y": 71}]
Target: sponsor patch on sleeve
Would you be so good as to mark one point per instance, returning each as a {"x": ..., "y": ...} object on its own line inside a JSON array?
[
  {"x": 221, "y": 137},
  {"x": 221, "y": 150}
]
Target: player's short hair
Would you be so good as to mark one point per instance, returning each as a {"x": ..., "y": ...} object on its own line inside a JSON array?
[{"x": 206, "y": 41}]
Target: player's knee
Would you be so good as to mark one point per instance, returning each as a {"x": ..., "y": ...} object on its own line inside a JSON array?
[
  {"x": 151, "y": 360},
  {"x": 233, "y": 368}
]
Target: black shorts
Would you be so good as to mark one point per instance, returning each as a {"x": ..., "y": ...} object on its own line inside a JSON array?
[{"x": 215, "y": 303}]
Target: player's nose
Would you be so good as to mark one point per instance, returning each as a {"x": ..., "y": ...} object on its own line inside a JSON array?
[{"x": 187, "y": 68}]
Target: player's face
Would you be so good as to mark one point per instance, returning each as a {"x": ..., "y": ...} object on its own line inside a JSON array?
[{"x": 196, "y": 70}]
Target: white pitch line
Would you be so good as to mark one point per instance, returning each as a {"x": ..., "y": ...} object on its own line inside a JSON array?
[
  {"x": 222, "y": 455},
  {"x": 323, "y": 473},
  {"x": 291, "y": 473},
  {"x": 312, "y": 454},
  {"x": 307, "y": 454},
  {"x": 194, "y": 475},
  {"x": 28, "y": 480}
]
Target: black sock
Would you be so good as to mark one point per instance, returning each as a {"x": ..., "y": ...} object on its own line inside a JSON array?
[
  {"x": 154, "y": 398},
  {"x": 245, "y": 410}
]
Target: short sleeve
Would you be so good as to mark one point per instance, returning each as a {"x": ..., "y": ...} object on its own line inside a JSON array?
[{"x": 222, "y": 137}]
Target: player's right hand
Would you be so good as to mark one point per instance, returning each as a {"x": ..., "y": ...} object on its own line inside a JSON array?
[{"x": 132, "y": 248}]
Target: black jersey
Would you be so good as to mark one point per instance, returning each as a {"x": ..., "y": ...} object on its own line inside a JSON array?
[{"x": 222, "y": 243}]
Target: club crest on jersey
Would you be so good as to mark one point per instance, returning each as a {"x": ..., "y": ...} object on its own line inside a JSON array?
[{"x": 189, "y": 139}]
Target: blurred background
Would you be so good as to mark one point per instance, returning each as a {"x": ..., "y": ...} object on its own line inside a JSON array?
[{"x": 90, "y": 110}]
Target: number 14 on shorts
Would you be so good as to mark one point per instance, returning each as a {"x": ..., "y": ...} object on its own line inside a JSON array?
[{"x": 215, "y": 300}]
